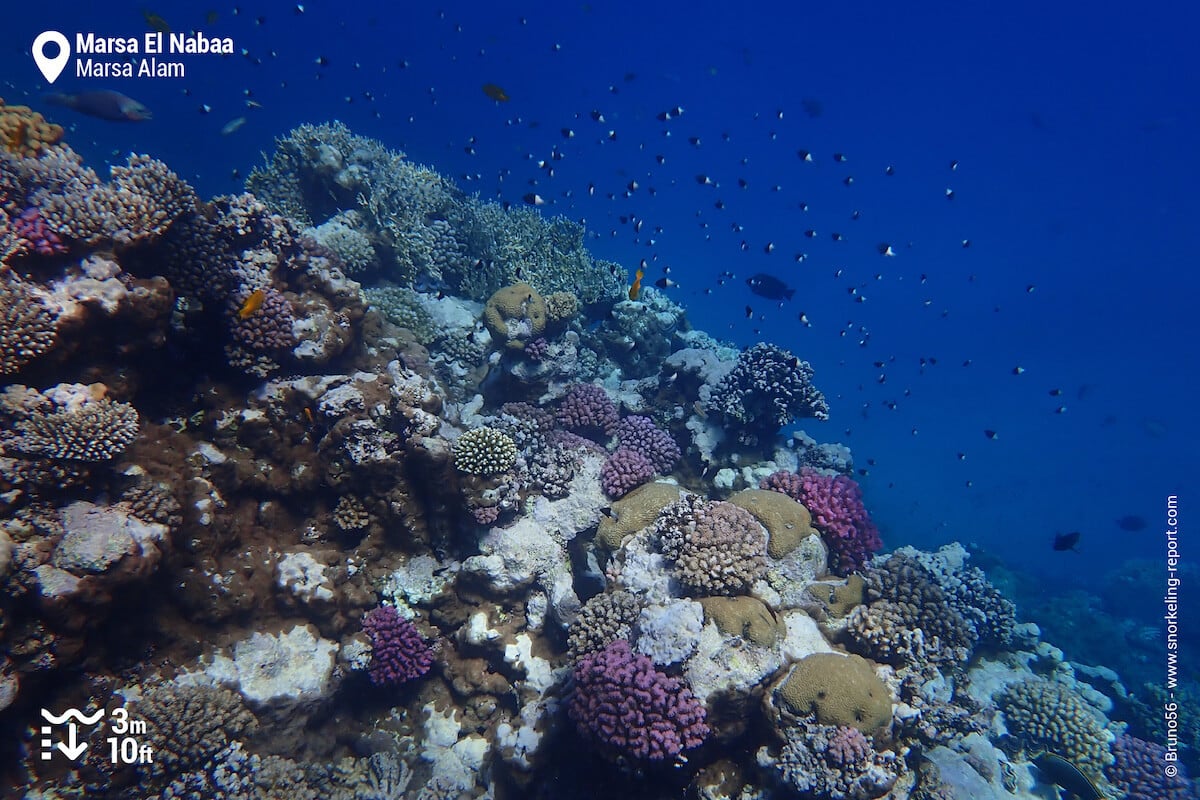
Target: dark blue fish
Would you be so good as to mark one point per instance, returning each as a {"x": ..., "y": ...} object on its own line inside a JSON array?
[
  {"x": 1132, "y": 523},
  {"x": 770, "y": 287},
  {"x": 1057, "y": 770},
  {"x": 1066, "y": 541}
]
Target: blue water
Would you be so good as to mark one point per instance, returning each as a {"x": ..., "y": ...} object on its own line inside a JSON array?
[{"x": 1074, "y": 134}]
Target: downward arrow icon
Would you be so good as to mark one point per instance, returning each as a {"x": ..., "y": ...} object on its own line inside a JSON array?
[{"x": 70, "y": 748}]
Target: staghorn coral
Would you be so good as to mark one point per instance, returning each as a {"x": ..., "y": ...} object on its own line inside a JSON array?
[
  {"x": 25, "y": 132},
  {"x": 624, "y": 704},
  {"x": 1046, "y": 714},
  {"x": 484, "y": 451},
  {"x": 716, "y": 547},
  {"x": 67, "y": 423},
  {"x": 27, "y": 327},
  {"x": 603, "y": 619},
  {"x": 767, "y": 389}
]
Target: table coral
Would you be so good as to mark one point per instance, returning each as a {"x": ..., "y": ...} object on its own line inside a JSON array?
[{"x": 68, "y": 422}]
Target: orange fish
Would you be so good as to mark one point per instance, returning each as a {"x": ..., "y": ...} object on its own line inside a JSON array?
[
  {"x": 635, "y": 288},
  {"x": 252, "y": 303},
  {"x": 496, "y": 93}
]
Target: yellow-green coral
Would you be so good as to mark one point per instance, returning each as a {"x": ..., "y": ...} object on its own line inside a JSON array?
[
  {"x": 840, "y": 690},
  {"x": 484, "y": 451},
  {"x": 787, "y": 521},
  {"x": 635, "y": 511},
  {"x": 747, "y": 617},
  {"x": 561, "y": 306},
  {"x": 515, "y": 315},
  {"x": 1046, "y": 714},
  {"x": 25, "y": 132}
]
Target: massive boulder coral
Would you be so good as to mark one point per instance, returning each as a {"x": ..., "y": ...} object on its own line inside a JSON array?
[
  {"x": 25, "y": 132},
  {"x": 515, "y": 315},
  {"x": 838, "y": 512},
  {"x": 837, "y": 690}
]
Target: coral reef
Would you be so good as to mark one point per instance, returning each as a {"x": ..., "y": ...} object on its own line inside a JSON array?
[
  {"x": 484, "y": 451},
  {"x": 1046, "y": 714},
  {"x": 25, "y": 132},
  {"x": 1138, "y": 771},
  {"x": 27, "y": 326},
  {"x": 837, "y": 690},
  {"x": 714, "y": 546},
  {"x": 626, "y": 705},
  {"x": 826, "y": 762},
  {"x": 767, "y": 388},
  {"x": 625, "y": 470},
  {"x": 398, "y": 653},
  {"x": 838, "y": 512}
]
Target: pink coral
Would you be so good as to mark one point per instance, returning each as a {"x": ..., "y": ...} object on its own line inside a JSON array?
[
  {"x": 836, "y": 505},
  {"x": 269, "y": 328},
  {"x": 641, "y": 434},
  {"x": 36, "y": 234},
  {"x": 588, "y": 410},
  {"x": 847, "y": 746},
  {"x": 622, "y": 702},
  {"x": 624, "y": 471},
  {"x": 398, "y": 653}
]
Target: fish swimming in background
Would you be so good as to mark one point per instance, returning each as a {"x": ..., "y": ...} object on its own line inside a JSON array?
[
  {"x": 1132, "y": 523},
  {"x": 1061, "y": 772},
  {"x": 232, "y": 126},
  {"x": 102, "y": 104},
  {"x": 155, "y": 22},
  {"x": 496, "y": 93},
  {"x": 635, "y": 288},
  {"x": 251, "y": 304},
  {"x": 1066, "y": 541},
  {"x": 770, "y": 287}
]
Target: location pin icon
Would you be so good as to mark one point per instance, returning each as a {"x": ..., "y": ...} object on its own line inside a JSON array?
[{"x": 51, "y": 67}]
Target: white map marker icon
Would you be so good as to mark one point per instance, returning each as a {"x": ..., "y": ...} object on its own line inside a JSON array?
[{"x": 51, "y": 67}]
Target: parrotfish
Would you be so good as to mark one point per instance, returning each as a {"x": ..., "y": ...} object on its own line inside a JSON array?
[{"x": 102, "y": 104}]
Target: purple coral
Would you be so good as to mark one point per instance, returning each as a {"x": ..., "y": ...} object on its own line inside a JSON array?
[
  {"x": 1137, "y": 770},
  {"x": 587, "y": 409},
  {"x": 269, "y": 328},
  {"x": 398, "y": 653},
  {"x": 30, "y": 227},
  {"x": 537, "y": 349},
  {"x": 641, "y": 434},
  {"x": 847, "y": 746},
  {"x": 622, "y": 702},
  {"x": 624, "y": 471},
  {"x": 836, "y": 505}
]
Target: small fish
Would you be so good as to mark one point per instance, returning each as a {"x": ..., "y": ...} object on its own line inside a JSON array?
[
  {"x": 885, "y": 249},
  {"x": 251, "y": 304},
  {"x": 1056, "y": 392},
  {"x": 1066, "y": 541},
  {"x": 233, "y": 126},
  {"x": 1018, "y": 370},
  {"x": 495, "y": 92},
  {"x": 155, "y": 22},
  {"x": 770, "y": 287},
  {"x": 1132, "y": 523},
  {"x": 990, "y": 434},
  {"x": 102, "y": 104},
  {"x": 534, "y": 199},
  {"x": 749, "y": 312},
  {"x": 635, "y": 288},
  {"x": 665, "y": 283}
]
